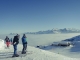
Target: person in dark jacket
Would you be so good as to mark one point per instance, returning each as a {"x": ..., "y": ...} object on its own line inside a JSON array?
[
  {"x": 24, "y": 42},
  {"x": 7, "y": 41},
  {"x": 15, "y": 43}
]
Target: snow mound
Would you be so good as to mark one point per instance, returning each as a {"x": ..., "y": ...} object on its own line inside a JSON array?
[{"x": 1, "y": 44}]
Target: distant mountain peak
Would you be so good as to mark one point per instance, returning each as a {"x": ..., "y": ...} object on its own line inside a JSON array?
[{"x": 54, "y": 31}]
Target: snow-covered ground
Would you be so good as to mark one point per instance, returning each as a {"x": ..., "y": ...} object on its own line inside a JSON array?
[
  {"x": 36, "y": 54},
  {"x": 1, "y": 44},
  {"x": 47, "y": 39}
]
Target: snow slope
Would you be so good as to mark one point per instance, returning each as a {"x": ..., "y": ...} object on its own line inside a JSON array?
[
  {"x": 47, "y": 39},
  {"x": 70, "y": 51},
  {"x": 37, "y": 54}
]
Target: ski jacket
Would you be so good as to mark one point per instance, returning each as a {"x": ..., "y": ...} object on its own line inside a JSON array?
[
  {"x": 16, "y": 40},
  {"x": 24, "y": 40},
  {"x": 7, "y": 40}
]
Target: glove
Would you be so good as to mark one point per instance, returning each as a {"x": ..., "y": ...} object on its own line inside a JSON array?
[{"x": 14, "y": 43}]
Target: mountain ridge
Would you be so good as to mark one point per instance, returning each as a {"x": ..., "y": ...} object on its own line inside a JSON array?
[{"x": 56, "y": 30}]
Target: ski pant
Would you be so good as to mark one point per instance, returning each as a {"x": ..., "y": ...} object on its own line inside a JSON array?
[
  {"x": 15, "y": 49},
  {"x": 24, "y": 47},
  {"x": 8, "y": 44}
]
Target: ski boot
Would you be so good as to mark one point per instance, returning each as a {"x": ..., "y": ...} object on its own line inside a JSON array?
[{"x": 15, "y": 55}]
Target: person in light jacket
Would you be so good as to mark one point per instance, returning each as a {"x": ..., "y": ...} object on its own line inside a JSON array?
[{"x": 24, "y": 42}]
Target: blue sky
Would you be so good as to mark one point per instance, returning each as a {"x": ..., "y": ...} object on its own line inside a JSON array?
[{"x": 19, "y": 16}]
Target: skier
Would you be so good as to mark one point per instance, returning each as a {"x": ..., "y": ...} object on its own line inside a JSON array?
[
  {"x": 15, "y": 43},
  {"x": 24, "y": 42},
  {"x": 7, "y": 41}
]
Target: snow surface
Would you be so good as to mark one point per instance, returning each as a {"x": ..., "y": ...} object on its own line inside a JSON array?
[
  {"x": 1, "y": 44},
  {"x": 48, "y": 39},
  {"x": 37, "y": 54}
]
